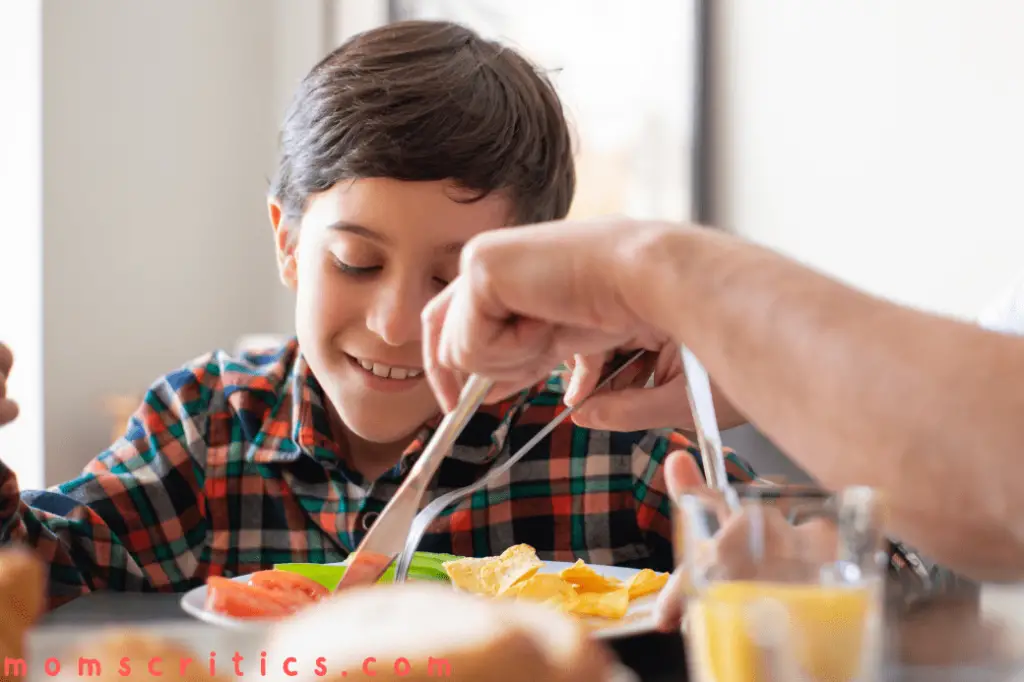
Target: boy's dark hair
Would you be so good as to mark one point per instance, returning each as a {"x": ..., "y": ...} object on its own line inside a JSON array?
[{"x": 428, "y": 100}]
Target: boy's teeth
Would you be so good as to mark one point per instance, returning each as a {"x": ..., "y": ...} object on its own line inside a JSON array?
[{"x": 389, "y": 372}]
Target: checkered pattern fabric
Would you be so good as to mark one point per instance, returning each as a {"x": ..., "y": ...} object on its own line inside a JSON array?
[{"x": 228, "y": 467}]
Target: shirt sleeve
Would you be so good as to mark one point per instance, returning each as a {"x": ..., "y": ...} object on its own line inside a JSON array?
[
  {"x": 653, "y": 506},
  {"x": 134, "y": 520}
]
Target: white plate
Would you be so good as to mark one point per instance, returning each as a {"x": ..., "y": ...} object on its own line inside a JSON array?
[{"x": 639, "y": 618}]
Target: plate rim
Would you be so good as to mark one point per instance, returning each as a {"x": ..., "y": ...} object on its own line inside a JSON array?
[{"x": 631, "y": 629}]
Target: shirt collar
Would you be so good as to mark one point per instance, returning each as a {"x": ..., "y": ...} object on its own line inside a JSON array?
[
  {"x": 481, "y": 441},
  {"x": 300, "y": 426}
]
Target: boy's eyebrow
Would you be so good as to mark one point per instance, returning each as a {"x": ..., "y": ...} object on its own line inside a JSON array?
[
  {"x": 352, "y": 228},
  {"x": 345, "y": 226}
]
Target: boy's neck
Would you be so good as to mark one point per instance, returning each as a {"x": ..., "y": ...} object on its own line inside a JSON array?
[{"x": 371, "y": 460}]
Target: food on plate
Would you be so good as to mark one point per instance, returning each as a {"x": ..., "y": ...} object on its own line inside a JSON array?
[
  {"x": 578, "y": 589},
  {"x": 22, "y": 597},
  {"x": 646, "y": 582},
  {"x": 245, "y": 600},
  {"x": 119, "y": 655},
  {"x": 494, "y": 575},
  {"x": 289, "y": 582},
  {"x": 288, "y": 588},
  {"x": 427, "y": 631}
]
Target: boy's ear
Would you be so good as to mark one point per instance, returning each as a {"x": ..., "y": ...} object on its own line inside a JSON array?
[{"x": 284, "y": 243}]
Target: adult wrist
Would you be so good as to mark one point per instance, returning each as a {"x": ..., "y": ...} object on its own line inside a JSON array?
[{"x": 659, "y": 272}]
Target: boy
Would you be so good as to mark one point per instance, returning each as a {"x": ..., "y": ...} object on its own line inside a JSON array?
[{"x": 399, "y": 146}]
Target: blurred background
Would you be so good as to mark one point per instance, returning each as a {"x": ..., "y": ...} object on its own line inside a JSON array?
[{"x": 878, "y": 140}]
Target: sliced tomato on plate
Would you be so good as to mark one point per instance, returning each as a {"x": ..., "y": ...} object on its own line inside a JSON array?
[
  {"x": 239, "y": 600},
  {"x": 292, "y": 601},
  {"x": 288, "y": 582}
]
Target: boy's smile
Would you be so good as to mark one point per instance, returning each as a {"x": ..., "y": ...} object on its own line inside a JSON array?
[
  {"x": 379, "y": 376},
  {"x": 365, "y": 259}
]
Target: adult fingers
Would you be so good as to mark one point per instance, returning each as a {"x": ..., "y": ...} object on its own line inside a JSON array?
[
  {"x": 443, "y": 381},
  {"x": 634, "y": 409},
  {"x": 681, "y": 473}
]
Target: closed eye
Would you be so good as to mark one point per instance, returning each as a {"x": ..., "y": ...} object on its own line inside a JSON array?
[{"x": 352, "y": 269}]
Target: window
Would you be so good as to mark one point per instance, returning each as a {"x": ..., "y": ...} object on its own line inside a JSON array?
[{"x": 627, "y": 74}]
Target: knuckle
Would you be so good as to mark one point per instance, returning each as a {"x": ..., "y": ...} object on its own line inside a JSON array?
[
  {"x": 480, "y": 261},
  {"x": 476, "y": 255}
]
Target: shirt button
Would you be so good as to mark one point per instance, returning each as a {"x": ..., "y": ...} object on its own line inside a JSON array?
[{"x": 368, "y": 519}]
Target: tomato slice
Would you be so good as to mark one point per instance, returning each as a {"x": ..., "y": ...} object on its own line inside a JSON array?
[
  {"x": 286, "y": 581},
  {"x": 239, "y": 600}
]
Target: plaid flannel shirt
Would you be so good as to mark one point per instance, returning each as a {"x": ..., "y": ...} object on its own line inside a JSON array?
[{"x": 228, "y": 467}]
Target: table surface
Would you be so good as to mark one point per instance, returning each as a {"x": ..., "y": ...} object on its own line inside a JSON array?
[{"x": 653, "y": 657}]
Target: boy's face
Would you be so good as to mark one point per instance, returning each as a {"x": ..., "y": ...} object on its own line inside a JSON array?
[{"x": 369, "y": 255}]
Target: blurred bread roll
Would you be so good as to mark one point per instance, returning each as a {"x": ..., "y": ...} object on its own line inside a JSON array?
[
  {"x": 423, "y": 631},
  {"x": 22, "y": 587},
  {"x": 22, "y": 599},
  {"x": 124, "y": 654}
]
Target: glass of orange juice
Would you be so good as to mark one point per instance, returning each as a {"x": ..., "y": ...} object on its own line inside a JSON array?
[{"x": 785, "y": 584}]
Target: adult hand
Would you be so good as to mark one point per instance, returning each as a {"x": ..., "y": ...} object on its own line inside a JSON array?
[
  {"x": 649, "y": 395},
  {"x": 8, "y": 408},
  {"x": 526, "y": 295},
  {"x": 528, "y": 298}
]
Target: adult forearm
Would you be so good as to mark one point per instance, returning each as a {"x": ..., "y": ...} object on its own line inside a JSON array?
[{"x": 858, "y": 390}]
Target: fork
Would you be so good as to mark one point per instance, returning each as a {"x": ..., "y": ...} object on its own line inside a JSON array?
[{"x": 434, "y": 509}]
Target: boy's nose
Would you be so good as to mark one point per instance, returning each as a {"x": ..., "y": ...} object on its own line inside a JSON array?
[{"x": 396, "y": 319}]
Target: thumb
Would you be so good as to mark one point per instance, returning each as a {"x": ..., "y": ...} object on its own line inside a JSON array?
[
  {"x": 633, "y": 409},
  {"x": 681, "y": 473}
]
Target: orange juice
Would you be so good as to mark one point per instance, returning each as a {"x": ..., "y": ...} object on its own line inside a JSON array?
[{"x": 827, "y": 631}]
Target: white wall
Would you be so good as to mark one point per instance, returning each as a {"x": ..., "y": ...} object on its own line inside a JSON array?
[
  {"x": 160, "y": 129},
  {"x": 880, "y": 140}
]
